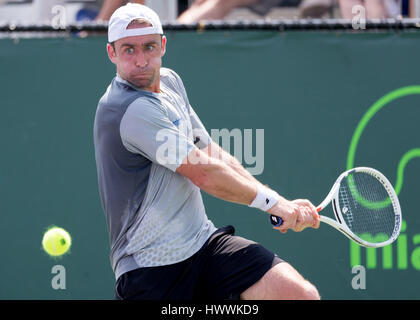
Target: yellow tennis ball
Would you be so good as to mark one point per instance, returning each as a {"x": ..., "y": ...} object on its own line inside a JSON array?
[{"x": 56, "y": 241}]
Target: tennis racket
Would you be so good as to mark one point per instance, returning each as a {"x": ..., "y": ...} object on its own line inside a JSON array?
[{"x": 365, "y": 206}]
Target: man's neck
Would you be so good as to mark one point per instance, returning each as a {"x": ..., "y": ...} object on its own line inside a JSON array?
[{"x": 154, "y": 88}]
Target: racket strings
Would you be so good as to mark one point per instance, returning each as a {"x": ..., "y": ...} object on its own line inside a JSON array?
[{"x": 366, "y": 207}]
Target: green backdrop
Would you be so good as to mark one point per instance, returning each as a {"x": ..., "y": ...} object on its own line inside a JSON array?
[{"x": 307, "y": 90}]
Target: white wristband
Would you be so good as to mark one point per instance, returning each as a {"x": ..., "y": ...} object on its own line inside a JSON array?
[{"x": 265, "y": 199}]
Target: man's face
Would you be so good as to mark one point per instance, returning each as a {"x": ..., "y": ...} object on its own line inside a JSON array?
[{"x": 139, "y": 59}]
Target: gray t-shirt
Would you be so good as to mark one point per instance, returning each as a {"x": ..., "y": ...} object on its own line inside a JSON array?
[{"x": 155, "y": 216}]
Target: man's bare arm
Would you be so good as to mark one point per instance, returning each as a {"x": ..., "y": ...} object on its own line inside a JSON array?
[
  {"x": 217, "y": 178},
  {"x": 229, "y": 181},
  {"x": 215, "y": 151}
]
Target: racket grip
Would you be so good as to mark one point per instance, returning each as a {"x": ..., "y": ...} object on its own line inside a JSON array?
[{"x": 276, "y": 221}]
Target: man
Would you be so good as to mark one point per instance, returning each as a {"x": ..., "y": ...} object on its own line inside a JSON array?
[
  {"x": 219, "y": 9},
  {"x": 109, "y": 6},
  {"x": 153, "y": 156},
  {"x": 374, "y": 9}
]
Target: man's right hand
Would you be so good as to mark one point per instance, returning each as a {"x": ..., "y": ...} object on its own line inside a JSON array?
[{"x": 296, "y": 215}]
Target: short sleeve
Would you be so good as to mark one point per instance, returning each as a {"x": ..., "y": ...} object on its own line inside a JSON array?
[
  {"x": 201, "y": 136},
  {"x": 146, "y": 130}
]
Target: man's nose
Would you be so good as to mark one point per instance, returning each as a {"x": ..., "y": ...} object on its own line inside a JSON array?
[{"x": 141, "y": 60}]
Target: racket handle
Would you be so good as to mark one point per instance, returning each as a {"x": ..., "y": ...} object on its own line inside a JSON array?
[{"x": 276, "y": 221}]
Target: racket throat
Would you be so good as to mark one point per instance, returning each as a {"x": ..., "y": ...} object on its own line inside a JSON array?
[{"x": 335, "y": 209}]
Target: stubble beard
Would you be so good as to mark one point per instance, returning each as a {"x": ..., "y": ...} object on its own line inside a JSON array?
[{"x": 145, "y": 83}]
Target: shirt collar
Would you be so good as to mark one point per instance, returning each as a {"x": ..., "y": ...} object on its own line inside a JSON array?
[{"x": 119, "y": 79}]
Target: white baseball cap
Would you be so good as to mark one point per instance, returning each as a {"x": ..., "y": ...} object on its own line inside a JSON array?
[{"x": 121, "y": 18}]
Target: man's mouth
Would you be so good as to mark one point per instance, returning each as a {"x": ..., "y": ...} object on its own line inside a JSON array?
[{"x": 142, "y": 75}]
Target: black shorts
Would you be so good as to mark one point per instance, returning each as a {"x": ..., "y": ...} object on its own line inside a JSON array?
[{"x": 222, "y": 269}]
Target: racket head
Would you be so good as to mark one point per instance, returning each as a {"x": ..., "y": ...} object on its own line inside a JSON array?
[{"x": 366, "y": 207}]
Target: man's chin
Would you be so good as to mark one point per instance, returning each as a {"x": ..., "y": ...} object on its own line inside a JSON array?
[{"x": 141, "y": 83}]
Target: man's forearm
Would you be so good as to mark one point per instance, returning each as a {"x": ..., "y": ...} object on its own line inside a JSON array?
[
  {"x": 230, "y": 181},
  {"x": 220, "y": 174},
  {"x": 215, "y": 151},
  {"x": 237, "y": 166},
  {"x": 228, "y": 184},
  {"x": 224, "y": 177},
  {"x": 218, "y": 178}
]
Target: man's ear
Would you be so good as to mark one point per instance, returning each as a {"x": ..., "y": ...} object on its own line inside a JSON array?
[
  {"x": 163, "y": 46},
  {"x": 111, "y": 53}
]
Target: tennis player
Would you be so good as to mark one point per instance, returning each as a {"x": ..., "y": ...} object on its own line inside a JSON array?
[{"x": 153, "y": 156}]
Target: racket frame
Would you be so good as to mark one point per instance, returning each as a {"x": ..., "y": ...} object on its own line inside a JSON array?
[{"x": 339, "y": 222}]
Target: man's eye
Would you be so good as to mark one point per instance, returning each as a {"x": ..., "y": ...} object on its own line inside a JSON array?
[
  {"x": 149, "y": 48},
  {"x": 129, "y": 50}
]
